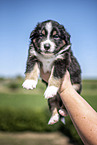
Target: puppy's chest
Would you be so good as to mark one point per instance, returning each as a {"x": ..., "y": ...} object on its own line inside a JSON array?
[{"x": 47, "y": 63}]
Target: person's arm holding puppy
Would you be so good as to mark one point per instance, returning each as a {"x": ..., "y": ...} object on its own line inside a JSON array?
[{"x": 83, "y": 116}]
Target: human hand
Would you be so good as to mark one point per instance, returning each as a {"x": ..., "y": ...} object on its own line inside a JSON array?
[{"x": 65, "y": 81}]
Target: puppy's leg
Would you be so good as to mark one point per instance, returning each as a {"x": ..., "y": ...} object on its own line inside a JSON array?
[
  {"x": 61, "y": 108},
  {"x": 55, "y": 79},
  {"x": 53, "y": 86},
  {"x": 53, "y": 108},
  {"x": 63, "y": 111},
  {"x": 31, "y": 77},
  {"x": 54, "y": 118}
]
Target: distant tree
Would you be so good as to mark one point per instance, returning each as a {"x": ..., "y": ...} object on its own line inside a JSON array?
[
  {"x": 19, "y": 77},
  {"x": 2, "y": 78}
]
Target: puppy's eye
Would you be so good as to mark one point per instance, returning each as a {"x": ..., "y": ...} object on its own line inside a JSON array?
[
  {"x": 56, "y": 36},
  {"x": 41, "y": 35}
]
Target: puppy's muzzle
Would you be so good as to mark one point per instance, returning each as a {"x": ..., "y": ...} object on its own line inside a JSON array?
[{"x": 47, "y": 46}]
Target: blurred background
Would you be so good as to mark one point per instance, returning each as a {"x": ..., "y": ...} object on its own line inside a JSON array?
[{"x": 22, "y": 110}]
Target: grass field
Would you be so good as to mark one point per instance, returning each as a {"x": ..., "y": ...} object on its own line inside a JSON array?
[
  {"x": 27, "y": 110},
  {"x": 17, "y": 97},
  {"x": 89, "y": 92}
]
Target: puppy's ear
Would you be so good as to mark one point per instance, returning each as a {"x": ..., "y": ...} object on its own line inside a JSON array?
[
  {"x": 65, "y": 35},
  {"x": 35, "y": 32},
  {"x": 32, "y": 34},
  {"x": 68, "y": 59}
]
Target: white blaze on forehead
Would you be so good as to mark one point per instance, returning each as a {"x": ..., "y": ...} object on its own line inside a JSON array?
[{"x": 49, "y": 28}]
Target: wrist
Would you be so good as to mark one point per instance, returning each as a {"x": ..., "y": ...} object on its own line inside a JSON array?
[
  {"x": 65, "y": 87},
  {"x": 66, "y": 90}
]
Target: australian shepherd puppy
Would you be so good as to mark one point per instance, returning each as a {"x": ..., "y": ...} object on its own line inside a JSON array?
[{"x": 50, "y": 50}]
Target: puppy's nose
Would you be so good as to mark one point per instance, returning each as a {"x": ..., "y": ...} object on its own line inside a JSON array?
[{"x": 47, "y": 46}]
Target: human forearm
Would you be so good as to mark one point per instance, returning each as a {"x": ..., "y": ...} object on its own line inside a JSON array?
[{"x": 82, "y": 114}]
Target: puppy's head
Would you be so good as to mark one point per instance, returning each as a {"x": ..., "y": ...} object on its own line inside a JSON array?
[{"x": 49, "y": 37}]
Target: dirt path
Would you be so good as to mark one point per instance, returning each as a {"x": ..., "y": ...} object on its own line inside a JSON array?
[{"x": 29, "y": 138}]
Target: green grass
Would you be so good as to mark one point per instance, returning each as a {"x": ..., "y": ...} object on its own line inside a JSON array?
[
  {"x": 27, "y": 110},
  {"x": 19, "y": 98},
  {"x": 20, "y": 101},
  {"x": 22, "y": 110},
  {"x": 89, "y": 92}
]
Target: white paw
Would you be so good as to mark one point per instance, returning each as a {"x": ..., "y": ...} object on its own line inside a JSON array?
[
  {"x": 63, "y": 112},
  {"x": 50, "y": 92},
  {"x": 54, "y": 119},
  {"x": 29, "y": 84}
]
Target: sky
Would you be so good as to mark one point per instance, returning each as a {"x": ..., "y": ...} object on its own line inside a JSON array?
[{"x": 19, "y": 17}]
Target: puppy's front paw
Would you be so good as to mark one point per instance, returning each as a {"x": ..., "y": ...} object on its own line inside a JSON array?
[
  {"x": 50, "y": 92},
  {"x": 29, "y": 84}
]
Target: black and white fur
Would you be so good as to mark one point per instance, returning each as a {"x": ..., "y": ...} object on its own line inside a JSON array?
[{"x": 50, "y": 50}]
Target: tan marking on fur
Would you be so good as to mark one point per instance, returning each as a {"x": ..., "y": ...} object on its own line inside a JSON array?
[
  {"x": 64, "y": 42},
  {"x": 54, "y": 33},
  {"x": 34, "y": 40},
  {"x": 43, "y": 32},
  {"x": 54, "y": 81},
  {"x": 76, "y": 86},
  {"x": 34, "y": 74},
  {"x": 54, "y": 111}
]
